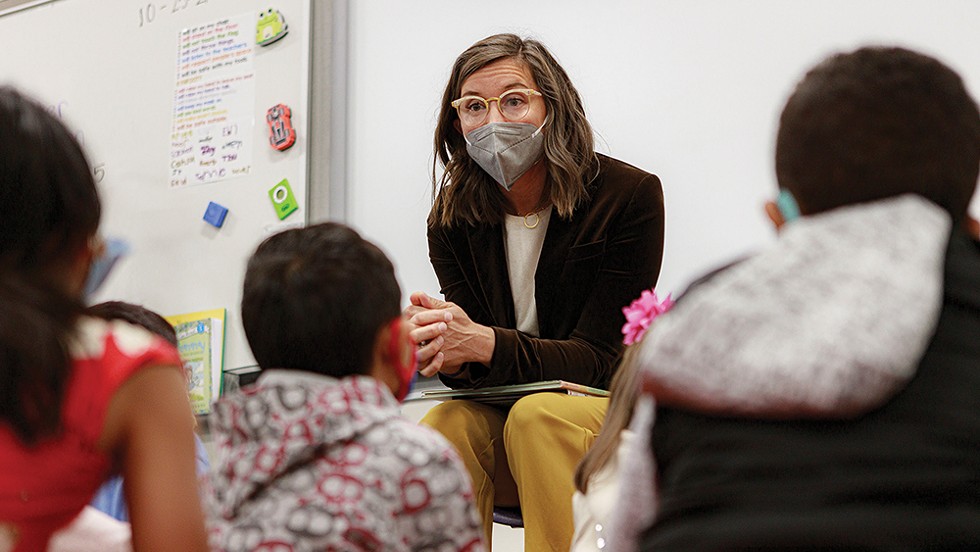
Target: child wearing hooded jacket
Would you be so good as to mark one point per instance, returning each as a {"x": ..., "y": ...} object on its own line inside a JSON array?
[
  {"x": 315, "y": 455},
  {"x": 822, "y": 394}
]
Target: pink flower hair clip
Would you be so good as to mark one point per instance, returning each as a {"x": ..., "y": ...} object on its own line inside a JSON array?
[{"x": 641, "y": 313}]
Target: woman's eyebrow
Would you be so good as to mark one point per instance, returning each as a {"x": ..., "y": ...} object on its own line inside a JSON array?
[{"x": 510, "y": 86}]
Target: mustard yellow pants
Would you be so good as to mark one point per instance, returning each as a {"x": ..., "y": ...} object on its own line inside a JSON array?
[{"x": 525, "y": 456}]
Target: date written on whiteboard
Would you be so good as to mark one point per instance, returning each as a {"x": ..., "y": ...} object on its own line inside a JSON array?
[
  {"x": 99, "y": 172},
  {"x": 154, "y": 10}
]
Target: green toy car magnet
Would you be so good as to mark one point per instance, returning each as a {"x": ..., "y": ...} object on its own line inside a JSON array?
[{"x": 270, "y": 27}]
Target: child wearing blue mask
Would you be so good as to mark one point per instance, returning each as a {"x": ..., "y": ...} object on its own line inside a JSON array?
[
  {"x": 316, "y": 455},
  {"x": 823, "y": 393}
]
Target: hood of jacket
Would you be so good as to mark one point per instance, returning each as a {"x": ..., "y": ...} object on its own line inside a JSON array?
[
  {"x": 285, "y": 421},
  {"x": 832, "y": 320}
]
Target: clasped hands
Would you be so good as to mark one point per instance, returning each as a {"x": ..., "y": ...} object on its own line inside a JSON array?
[{"x": 446, "y": 336}]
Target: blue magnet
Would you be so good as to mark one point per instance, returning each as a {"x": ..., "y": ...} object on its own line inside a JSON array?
[{"x": 215, "y": 215}]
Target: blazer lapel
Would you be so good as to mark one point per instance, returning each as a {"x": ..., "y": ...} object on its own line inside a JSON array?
[
  {"x": 557, "y": 242},
  {"x": 486, "y": 244}
]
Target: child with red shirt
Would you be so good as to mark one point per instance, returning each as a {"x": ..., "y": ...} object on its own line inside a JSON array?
[{"x": 78, "y": 395}]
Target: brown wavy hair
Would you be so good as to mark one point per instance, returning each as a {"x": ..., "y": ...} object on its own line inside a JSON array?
[{"x": 465, "y": 192}]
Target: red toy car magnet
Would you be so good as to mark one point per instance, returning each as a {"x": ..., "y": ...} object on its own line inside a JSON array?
[{"x": 282, "y": 136}]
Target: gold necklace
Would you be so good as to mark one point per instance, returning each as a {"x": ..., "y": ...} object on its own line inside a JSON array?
[
  {"x": 527, "y": 220},
  {"x": 533, "y": 216}
]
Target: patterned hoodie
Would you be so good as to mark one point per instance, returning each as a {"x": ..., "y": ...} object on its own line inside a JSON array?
[{"x": 308, "y": 462}]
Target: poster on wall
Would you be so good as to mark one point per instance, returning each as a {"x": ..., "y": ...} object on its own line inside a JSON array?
[{"x": 213, "y": 99}]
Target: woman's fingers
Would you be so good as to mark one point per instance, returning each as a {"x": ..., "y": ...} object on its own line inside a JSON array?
[
  {"x": 434, "y": 365},
  {"x": 426, "y": 317},
  {"x": 429, "y": 349},
  {"x": 424, "y": 300},
  {"x": 418, "y": 298},
  {"x": 427, "y": 333},
  {"x": 431, "y": 318}
]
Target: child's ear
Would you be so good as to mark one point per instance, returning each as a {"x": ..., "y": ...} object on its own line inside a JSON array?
[
  {"x": 973, "y": 227},
  {"x": 382, "y": 364},
  {"x": 775, "y": 215}
]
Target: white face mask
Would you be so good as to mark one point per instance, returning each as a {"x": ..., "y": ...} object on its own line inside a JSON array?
[{"x": 506, "y": 150}]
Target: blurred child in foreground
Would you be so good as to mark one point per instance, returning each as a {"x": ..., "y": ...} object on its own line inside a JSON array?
[
  {"x": 78, "y": 395},
  {"x": 872, "y": 292}
]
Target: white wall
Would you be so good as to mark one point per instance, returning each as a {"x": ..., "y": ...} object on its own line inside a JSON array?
[{"x": 687, "y": 89}]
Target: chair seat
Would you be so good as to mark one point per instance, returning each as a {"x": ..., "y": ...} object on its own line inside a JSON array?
[{"x": 510, "y": 516}]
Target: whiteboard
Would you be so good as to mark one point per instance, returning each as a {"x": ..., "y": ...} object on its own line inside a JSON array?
[
  {"x": 689, "y": 90},
  {"x": 109, "y": 68}
]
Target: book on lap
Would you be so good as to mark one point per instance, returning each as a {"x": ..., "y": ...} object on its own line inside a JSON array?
[{"x": 506, "y": 395}]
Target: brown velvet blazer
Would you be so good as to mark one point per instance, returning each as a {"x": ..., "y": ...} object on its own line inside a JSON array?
[{"x": 591, "y": 266}]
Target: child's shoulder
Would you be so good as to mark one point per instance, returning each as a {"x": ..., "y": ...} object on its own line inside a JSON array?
[{"x": 409, "y": 436}]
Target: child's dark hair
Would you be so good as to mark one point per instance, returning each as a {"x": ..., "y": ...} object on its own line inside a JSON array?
[
  {"x": 137, "y": 315},
  {"x": 49, "y": 210},
  {"x": 315, "y": 298},
  {"x": 876, "y": 123}
]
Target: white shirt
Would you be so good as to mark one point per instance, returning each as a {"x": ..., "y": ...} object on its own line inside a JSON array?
[
  {"x": 522, "y": 246},
  {"x": 593, "y": 510}
]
